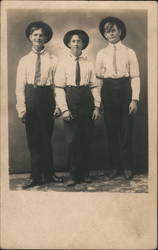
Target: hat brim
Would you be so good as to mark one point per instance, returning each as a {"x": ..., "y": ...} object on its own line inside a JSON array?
[
  {"x": 40, "y": 25},
  {"x": 82, "y": 34},
  {"x": 116, "y": 21}
]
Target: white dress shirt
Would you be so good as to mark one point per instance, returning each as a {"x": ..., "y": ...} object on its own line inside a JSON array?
[
  {"x": 65, "y": 76},
  {"x": 26, "y": 75},
  {"x": 126, "y": 62}
]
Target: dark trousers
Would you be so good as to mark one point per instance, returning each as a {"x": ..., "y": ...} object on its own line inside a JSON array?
[
  {"x": 79, "y": 131},
  {"x": 116, "y": 97},
  {"x": 40, "y": 106}
]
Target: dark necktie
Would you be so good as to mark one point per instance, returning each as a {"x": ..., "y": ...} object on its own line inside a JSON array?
[
  {"x": 37, "y": 69},
  {"x": 114, "y": 60},
  {"x": 78, "y": 76}
]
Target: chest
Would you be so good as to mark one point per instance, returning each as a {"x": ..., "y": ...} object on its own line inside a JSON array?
[
  {"x": 121, "y": 57},
  {"x": 71, "y": 67},
  {"x": 45, "y": 64}
]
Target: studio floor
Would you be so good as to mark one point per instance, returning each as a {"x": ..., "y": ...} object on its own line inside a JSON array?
[{"x": 100, "y": 183}]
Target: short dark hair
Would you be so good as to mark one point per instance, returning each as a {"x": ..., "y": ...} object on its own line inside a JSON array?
[
  {"x": 36, "y": 28},
  {"x": 46, "y": 29},
  {"x": 108, "y": 26},
  {"x": 111, "y": 21},
  {"x": 82, "y": 35}
]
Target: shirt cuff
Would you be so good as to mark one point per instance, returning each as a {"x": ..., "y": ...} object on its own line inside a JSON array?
[
  {"x": 97, "y": 104},
  {"x": 64, "y": 108},
  {"x": 21, "y": 113}
]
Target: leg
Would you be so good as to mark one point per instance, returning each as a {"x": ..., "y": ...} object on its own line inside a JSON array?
[
  {"x": 33, "y": 133},
  {"x": 86, "y": 130},
  {"x": 34, "y": 145},
  {"x": 86, "y": 135},
  {"x": 46, "y": 106},
  {"x": 74, "y": 150},
  {"x": 126, "y": 132},
  {"x": 111, "y": 104}
]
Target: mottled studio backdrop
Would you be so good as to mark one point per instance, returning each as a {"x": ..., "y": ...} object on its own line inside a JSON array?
[{"x": 62, "y": 21}]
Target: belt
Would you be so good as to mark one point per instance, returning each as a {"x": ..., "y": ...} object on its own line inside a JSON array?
[
  {"x": 77, "y": 86},
  {"x": 39, "y": 86},
  {"x": 116, "y": 79}
]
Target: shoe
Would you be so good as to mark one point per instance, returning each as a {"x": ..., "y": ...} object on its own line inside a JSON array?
[
  {"x": 128, "y": 174},
  {"x": 113, "y": 174},
  {"x": 56, "y": 179},
  {"x": 31, "y": 183},
  {"x": 87, "y": 179},
  {"x": 71, "y": 183}
]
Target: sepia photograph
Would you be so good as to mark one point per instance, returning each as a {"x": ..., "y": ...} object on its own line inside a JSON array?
[
  {"x": 90, "y": 138},
  {"x": 79, "y": 119}
]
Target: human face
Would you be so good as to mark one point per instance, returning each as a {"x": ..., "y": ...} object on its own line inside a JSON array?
[
  {"x": 76, "y": 45},
  {"x": 113, "y": 35},
  {"x": 37, "y": 38}
]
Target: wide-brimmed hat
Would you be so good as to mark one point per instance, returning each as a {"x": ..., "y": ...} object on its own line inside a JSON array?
[
  {"x": 82, "y": 34},
  {"x": 41, "y": 25},
  {"x": 113, "y": 20}
]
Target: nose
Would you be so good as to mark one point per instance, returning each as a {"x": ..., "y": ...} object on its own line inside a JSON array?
[
  {"x": 38, "y": 37},
  {"x": 111, "y": 32}
]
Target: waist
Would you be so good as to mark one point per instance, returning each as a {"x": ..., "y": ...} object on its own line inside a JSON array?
[
  {"x": 78, "y": 86},
  {"x": 31, "y": 85},
  {"x": 117, "y": 79},
  {"x": 117, "y": 82}
]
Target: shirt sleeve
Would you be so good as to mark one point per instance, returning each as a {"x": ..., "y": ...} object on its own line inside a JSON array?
[
  {"x": 134, "y": 74},
  {"x": 135, "y": 84},
  {"x": 20, "y": 89},
  {"x": 99, "y": 66},
  {"x": 54, "y": 65},
  {"x": 60, "y": 83},
  {"x": 94, "y": 86}
]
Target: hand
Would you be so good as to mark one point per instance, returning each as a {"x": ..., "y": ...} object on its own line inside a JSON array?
[
  {"x": 95, "y": 114},
  {"x": 101, "y": 109},
  {"x": 23, "y": 119},
  {"x": 133, "y": 107},
  {"x": 57, "y": 112},
  {"x": 67, "y": 116}
]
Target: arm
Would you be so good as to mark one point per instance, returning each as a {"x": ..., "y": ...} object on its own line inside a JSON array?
[
  {"x": 20, "y": 90},
  {"x": 135, "y": 82},
  {"x": 99, "y": 68},
  {"x": 95, "y": 89},
  {"x": 60, "y": 80},
  {"x": 57, "y": 111}
]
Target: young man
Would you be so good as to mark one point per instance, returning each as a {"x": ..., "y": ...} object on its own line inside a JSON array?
[
  {"x": 36, "y": 103},
  {"x": 78, "y": 98},
  {"x": 118, "y": 72}
]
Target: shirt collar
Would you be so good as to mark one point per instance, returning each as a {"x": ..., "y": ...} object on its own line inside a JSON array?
[
  {"x": 117, "y": 45},
  {"x": 82, "y": 56},
  {"x": 41, "y": 52}
]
